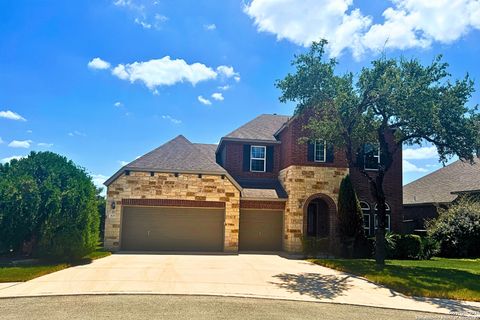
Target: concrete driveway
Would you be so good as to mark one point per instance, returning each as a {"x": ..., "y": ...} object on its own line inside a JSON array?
[{"x": 243, "y": 275}]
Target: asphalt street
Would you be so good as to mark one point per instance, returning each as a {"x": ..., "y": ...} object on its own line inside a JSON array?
[{"x": 179, "y": 307}]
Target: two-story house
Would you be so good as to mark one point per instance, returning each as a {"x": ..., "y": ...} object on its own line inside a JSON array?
[{"x": 259, "y": 189}]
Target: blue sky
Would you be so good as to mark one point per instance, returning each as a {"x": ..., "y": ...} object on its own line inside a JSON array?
[{"x": 103, "y": 82}]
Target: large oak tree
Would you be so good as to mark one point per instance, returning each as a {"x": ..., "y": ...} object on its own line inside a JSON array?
[{"x": 416, "y": 103}]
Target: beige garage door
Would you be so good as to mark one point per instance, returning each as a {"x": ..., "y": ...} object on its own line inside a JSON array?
[
  {"x": 172, "y": 229},
  {"x": 261, "y": 230}
]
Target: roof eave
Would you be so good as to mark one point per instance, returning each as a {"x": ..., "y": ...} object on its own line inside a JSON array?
[{"x": 263, "y": 199}]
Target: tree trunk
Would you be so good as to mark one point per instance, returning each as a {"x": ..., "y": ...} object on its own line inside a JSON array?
[{"x": 379, "y": 195}]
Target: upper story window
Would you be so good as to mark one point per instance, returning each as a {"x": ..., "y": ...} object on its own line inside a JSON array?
[
  {"x": 371, "y": 156},
  {"x": 258, "y": 158},
  {"x": 320, "y": 151}
]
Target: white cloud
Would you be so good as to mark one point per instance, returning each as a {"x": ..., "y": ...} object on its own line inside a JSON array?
[
  {"x": 218, "y": 96},
  {"x": 406, "y": 23},
  {"x": 118, "y": 104},
  {"x": 204, "y": 101},
  {"x": 11, "y": 115},
  {"x": 144, "y": 24},
  {"x": 20, "y": 144},
  {"x": 142, "y": 13},
  {"x": 410, "y": 167},
  {"x": 310, "y": 20},
  {"x": 237, "y": 78},
  {"x": 122, "y": 3},
  {"x": 420, "y": 153},
  {"x": 123, "y": 163},
  {"x": 1, "y": 141},
  {"x": 8, "y": 159},
  {"x": 227, "y": 71},
  {"x": 98, "y": 180},
  {"x": 45, "y": 145},
  {"x": 210, "y": 27},
  {"x": 172, "y": 120},
  {"x": 77, "y": 133},
  {"x": 224, "y": 88},
  {"x": 164, "y": 72},
  {"x": 29, "y": 131},
  {"x": 99, "y": 64}
]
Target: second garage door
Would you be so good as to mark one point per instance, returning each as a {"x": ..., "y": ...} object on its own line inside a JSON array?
[
  {"x": 261, "y": 230},
  {"x": 172, "y": 229}
]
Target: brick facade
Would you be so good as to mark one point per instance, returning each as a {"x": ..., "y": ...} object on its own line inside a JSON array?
[
  {"x": 171, "y": 190},
  {"x": 233, "y": 161}
]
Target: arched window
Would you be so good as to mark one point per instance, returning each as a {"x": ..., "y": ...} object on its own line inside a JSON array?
[
  {"x": 387, "y": 214},
  {"x": 366, "y": 217}
]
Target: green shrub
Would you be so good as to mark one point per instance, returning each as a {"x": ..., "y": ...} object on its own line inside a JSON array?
[
  {"x": 312, "y": 246},
  {"x": 457, "y": 229},
  {"x": 430, "y": 248},
  {"x": 364, "y": 248},
  {"x": 410, "y": 246},
  {"x": 350, "y": 217},
  {"x": 49, "y": 202}
]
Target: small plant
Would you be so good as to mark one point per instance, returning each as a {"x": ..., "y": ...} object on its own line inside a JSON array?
[{"x": 312, "y": 246}]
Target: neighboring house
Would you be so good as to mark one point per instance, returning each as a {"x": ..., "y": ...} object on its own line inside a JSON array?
[
  {"x": 260, "y": 189},
  {"x": 422, "y": 197}
]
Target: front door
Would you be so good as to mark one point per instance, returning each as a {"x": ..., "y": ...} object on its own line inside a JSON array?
[{"x": 318, "y": 223}]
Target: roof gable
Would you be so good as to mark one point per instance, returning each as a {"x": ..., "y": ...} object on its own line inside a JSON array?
[
  {"x": 262, "y": 128},
  {"x": 179, "y": 154}
]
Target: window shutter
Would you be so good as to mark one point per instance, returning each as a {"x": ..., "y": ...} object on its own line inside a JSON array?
[
  {"x": 269, "y": 159},
  {"x": 246, "y": 157},
  {"x": 310, "y": 151},
  {"x": 330, "y": 156}
]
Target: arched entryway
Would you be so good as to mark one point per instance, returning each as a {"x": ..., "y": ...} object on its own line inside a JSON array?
[{"x": 319, "y": 213}]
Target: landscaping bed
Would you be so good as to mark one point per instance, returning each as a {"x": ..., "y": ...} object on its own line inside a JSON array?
[
  {"x": 15, "y": 270},
  {"x": 440, "y": 278}
]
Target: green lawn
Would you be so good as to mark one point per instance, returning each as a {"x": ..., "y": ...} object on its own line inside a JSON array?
[
  {"x": 30, "y": 271},
  {"x": 440, "y": 278}
]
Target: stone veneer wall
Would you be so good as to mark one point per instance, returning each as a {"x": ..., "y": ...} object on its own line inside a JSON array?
[
  {"x": 140, "y": 185},
  {"x": 301, "y": 182}
]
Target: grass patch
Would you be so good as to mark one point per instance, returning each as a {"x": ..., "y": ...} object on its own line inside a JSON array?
[
  {"x": 440, "y": 278},
  {"x": 33, "y": 270}
]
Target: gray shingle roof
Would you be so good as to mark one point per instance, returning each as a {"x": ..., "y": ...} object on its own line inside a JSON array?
[
  {"x": 262, "y": 188},
  {"x": 179, "y": 154},
  {"x": 437, "y": 187},
  {"x": 262, "y": 127}
]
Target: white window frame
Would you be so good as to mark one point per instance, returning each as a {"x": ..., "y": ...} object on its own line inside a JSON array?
[
  {"x": 387, "y": 214},
  {"x": 324, "y": 151},
  {"x": 264, "y": 158},
  {"x": 375, "y": 156},
  {"x": 367, "y": 229},
  {"x": 366, "y": 208}
]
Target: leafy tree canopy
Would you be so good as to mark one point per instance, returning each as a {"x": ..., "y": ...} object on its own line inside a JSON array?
[
  {"x": 415, "y": 103},
  {"x": 50, "y": 203}
]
